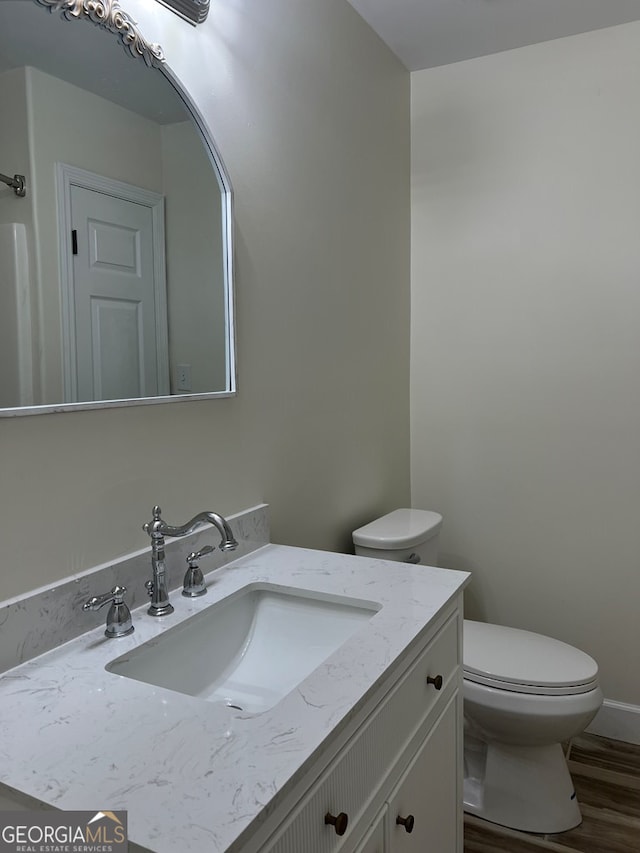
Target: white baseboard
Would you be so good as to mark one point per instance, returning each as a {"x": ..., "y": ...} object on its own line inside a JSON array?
[{"x": 618, "y": 721}]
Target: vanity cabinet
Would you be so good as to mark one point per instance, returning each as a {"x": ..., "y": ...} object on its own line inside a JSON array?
[
  {"x": 428, "y": 792},
  {"x": 374, "y": 732},
  {"x": 404, "y": 761},
  {"x": 421, "y": 815}
]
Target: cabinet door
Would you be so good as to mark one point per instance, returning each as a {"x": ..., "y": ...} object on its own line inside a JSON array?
[
  {"x": 374, "y": 839},
  {"x": 428, "y": 793}
]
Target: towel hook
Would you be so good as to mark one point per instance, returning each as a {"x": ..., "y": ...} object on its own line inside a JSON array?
[{"x": 16, "y": 183}]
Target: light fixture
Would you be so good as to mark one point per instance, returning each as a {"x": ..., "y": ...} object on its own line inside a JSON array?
[{"x": 193, "y": 11}]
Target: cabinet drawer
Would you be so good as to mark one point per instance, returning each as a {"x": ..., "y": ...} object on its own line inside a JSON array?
[{"x": 355, "y": 777}]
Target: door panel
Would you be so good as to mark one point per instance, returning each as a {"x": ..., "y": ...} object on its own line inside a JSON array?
[
  {"x": 115, "y": 335},
  {"x": 114, "y": 248},
  {"x": 114, "y": 298}
]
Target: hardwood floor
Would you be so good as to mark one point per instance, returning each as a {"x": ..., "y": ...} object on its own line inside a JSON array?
[{"x": 606, "y": 775}]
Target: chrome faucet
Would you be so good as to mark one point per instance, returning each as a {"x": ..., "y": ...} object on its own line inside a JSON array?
[
  {"x": 119, "y": 622},
  {"x": 157, "y": 530}
]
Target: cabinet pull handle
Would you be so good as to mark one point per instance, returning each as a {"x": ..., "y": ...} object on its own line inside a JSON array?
[
  {"x": 437, "y": 681},
  {"x": 407, "y": 822},
  {"x": 338, "y": 822}
]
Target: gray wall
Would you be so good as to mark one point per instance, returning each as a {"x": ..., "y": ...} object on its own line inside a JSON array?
[
  {"x": 526, "y": 336},
  {"x": 311, "y": 114}
]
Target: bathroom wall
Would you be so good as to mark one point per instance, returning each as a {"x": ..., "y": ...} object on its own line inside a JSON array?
[
  {"x": 526, "y": 336},
  {"x": 311, "y": 114}
]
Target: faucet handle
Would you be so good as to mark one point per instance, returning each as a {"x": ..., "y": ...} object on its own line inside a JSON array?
[
  {"x": 119, "y": 623},
  {"x": 193, "y": 584},
  {"x": 195, "y": 555}
]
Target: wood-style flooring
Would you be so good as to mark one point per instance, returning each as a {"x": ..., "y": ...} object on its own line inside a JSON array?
[{"x": 606, "y": 775}]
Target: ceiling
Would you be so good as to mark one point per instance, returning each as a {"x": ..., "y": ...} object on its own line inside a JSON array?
[{"x": 426, "y": 33}]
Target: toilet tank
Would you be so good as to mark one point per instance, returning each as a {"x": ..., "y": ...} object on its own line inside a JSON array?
[{"x": 405, "y": 535}]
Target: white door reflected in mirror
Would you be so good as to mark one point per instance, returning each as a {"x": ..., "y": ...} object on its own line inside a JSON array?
[
  {"x": 79, "y": 101},
  {"x": 118, "y": 287}
]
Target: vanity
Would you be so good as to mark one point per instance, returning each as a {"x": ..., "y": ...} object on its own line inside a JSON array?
[{"x": 361, "y": 755}]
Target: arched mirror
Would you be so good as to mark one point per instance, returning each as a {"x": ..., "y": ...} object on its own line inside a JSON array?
[{"x": 115, "y": 262}]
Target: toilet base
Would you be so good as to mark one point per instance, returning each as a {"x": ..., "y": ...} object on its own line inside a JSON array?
[{"x": 522, "y": 787}]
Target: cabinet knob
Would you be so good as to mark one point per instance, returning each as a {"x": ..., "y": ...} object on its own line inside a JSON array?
[
  {"x": 407, "y": 822},
  {"x": 436, "y": 681},
  {"x": 338, "y": 822}
]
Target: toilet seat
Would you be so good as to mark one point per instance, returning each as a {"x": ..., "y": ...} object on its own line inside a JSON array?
[{"x": 524, "y": 662}]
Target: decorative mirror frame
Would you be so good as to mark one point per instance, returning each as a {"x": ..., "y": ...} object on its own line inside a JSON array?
[{"x": 109, "y": 15}]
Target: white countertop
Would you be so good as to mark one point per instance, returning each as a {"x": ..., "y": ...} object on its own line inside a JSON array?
[{"x": 195, "y": 775}]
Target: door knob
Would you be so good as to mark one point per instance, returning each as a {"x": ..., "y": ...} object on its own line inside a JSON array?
[
  {"x": 338, "y": 822},
  {"x": 407, "y": 822}
]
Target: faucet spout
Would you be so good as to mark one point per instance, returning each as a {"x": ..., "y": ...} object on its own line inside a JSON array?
[
  {"x": 227, "y": 542},
  {"x": 157, "y": 529}
]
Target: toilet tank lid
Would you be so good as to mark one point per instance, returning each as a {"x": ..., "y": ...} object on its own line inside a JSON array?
[
  {"x": 402, "y": 528},
  {"x": 522, "y": 657}
]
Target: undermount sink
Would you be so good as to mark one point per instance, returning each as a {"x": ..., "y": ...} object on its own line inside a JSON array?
[{"x": 250, "y": 649}]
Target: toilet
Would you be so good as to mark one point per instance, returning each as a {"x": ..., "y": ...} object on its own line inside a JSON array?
[{"x": 524, "y": 696}]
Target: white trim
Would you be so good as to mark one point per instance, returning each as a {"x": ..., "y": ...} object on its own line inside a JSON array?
[
  {"x": 66, "y": 178},
  {"x": 618, "y": 721},
  {"x": 53, "y": 408}
]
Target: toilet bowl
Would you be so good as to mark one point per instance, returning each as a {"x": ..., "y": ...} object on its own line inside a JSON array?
[{"x": 524, "y": 695}]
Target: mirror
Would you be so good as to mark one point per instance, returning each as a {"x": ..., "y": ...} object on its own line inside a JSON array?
[{"x": 115, "y": 266}]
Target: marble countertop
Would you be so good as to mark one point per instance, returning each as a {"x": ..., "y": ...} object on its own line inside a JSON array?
[{"x": 196, "y": 775}]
